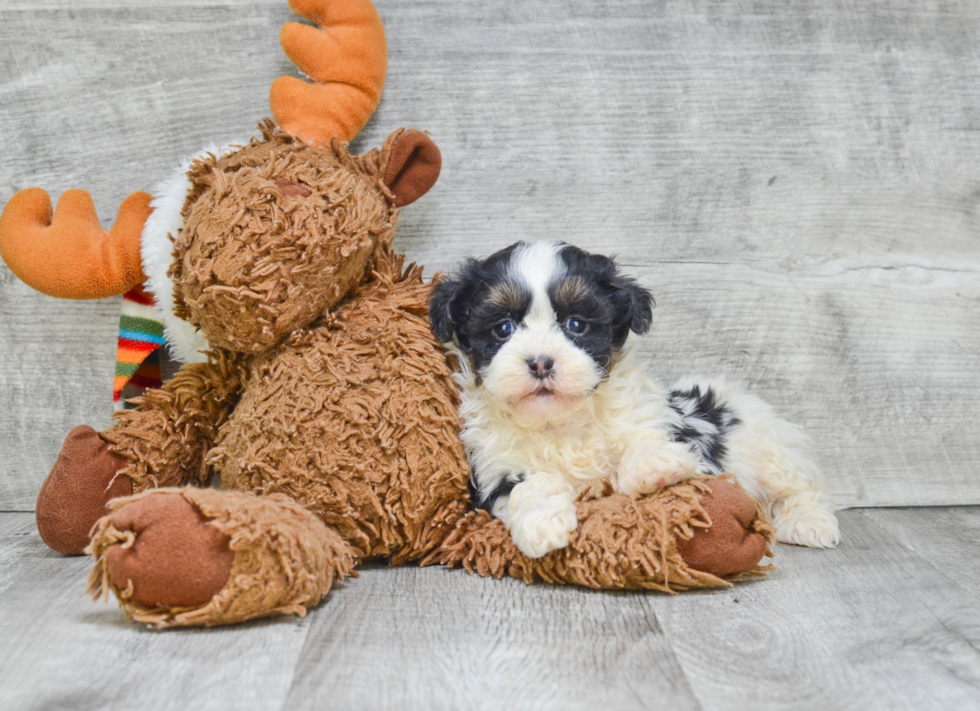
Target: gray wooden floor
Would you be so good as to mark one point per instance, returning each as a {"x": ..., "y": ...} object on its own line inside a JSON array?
[{"x": 888, "y": 621}]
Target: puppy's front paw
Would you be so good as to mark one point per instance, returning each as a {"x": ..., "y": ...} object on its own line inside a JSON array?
[
  {"x": 807, "y": 524},
  {"x": 542, "y": 516},
  {"x": 646, "y": 468}
]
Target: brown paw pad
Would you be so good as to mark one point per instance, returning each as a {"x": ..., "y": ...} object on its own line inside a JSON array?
[
  {"x": 75, "y": 494},
  {"x": 728, "y": 546},
  {"x": 175, "y": 558}
]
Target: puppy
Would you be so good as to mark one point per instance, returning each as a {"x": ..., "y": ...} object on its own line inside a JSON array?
[{"x": 552, "y": 397}]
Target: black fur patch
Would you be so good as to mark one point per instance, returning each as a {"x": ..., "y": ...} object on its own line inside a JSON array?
[
  {"x": 470, "y": 304},
  {"x": 628, "y": 306},
  {"x": 705, "y": 421},
  {"x": 503, "y": 488}
]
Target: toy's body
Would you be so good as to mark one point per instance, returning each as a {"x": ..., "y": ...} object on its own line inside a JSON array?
[{"x": 323, "y": 401}]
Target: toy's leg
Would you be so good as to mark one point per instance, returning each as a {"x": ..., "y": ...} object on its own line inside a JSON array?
[
  {"x": 685, "y": 536},
  {"x": 202, "y": 557},
  {"x": 164, "y": 439},
  {"x": 161, "y": 442}
]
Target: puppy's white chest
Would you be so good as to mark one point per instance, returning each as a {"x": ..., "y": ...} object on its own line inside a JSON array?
[
  {"x": 582, "y": 453},
  {"x": 579, "y": 449}
]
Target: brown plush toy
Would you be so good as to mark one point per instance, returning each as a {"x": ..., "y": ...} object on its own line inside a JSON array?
[{"x": 322, "y": 398}]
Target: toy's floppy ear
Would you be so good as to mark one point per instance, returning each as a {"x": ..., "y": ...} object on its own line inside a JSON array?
[
  {"x": 69, "y": 255},
  {"x": 413, "y": 167}
]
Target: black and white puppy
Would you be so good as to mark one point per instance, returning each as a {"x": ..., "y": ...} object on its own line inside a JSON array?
[{"x": 552, "y": 397}]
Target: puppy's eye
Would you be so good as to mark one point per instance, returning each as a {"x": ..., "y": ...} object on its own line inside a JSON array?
[
  {"x": 504, "y": 330},
  {"x": 576, "y": 326}
]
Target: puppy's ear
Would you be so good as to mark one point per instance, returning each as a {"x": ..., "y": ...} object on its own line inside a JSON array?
[
  {"x": 638, "y": 303},
  {"x": 447, "y": 310},
  {"x": 632, "y": 303}
]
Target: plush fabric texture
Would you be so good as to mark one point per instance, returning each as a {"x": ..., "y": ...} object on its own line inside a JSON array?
[
  {"x": 285, "y": 559},
  {"x": 74, "y": 496},
  {"x": 254, "y": 262},
  {"x": 739, "y": 533},
  {"x": 164, "y": 439},
  {"x": 169, "y": 537},
  {"x": 623, "y": 542},
  {"x": 69, "y": 255},
  {"x": 356, "y": 419},
  {"x": 346, "y": 57},
  {"x": 185, "y": 343}
]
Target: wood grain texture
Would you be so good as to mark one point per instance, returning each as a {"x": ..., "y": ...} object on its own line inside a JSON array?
[
  {"x": 444, "y": 639},
  {"x": 794, "y": 181},
  {"x": 63, "y": 651},
  {"x": 869, "y": 625},
  {"x": 15, "y": 528},
  {"x": 876, "y": 623},
  {"x": 945, "y": 537}
]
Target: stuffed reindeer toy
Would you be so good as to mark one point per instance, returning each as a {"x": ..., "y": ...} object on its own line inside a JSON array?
[{"x": 312, "y": 382}]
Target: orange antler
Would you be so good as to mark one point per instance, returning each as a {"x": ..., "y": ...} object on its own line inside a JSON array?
[
  {"x": 347, "y": 57},
  {"x": 71, "y": 256}
]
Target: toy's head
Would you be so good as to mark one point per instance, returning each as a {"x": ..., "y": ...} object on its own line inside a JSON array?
[
  {"x": 253, "y": 243},
  {"x": 279, "y": 231}
]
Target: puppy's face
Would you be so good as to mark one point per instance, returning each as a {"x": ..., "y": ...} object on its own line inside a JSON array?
[{"x": 540, "y": 323}]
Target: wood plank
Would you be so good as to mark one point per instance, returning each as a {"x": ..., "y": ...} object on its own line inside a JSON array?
[
  {"x": 868, "y": 625},
  {"x": 429, "y": 638},
  {"x": 32, "y": 5},
  {"x": 61, "y": 650},
  {"x": 946, "y": 537},
  {"x": 793, "y": 181},
  {"x": 15, "y": 528}
]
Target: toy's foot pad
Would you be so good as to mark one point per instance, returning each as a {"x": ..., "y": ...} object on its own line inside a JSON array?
[
  {"x": 203, "y": 557},
  {"x": 730, "y": 545},
  {"x": 170, "y": 556},
  {"x": 75, "y": 494}
]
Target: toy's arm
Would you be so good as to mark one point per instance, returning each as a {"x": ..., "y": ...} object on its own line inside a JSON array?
[
  {"x": 69, "y": 255},
  {"x": 164, "y": 440}
]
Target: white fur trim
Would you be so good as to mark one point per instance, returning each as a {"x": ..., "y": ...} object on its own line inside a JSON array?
[{"x": 156, "y": 249}]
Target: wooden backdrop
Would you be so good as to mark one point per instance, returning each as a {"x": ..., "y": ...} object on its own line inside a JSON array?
[{"x": 797, "y": 182}]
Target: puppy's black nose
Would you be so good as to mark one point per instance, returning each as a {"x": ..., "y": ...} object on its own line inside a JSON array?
[{"x": 541, "y": 366}]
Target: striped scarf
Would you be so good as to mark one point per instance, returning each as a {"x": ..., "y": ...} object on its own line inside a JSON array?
[{"x": 137, "y": 355}]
